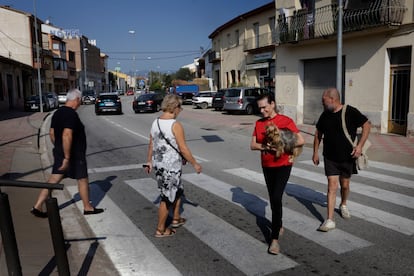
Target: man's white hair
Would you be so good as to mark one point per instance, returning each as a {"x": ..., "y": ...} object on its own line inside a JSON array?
[{"x": 73, "y": 94}]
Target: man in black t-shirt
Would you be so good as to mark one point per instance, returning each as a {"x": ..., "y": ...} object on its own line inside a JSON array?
[
  {"x": 67, "y": 133},
  {"x": 339, "y": 155}
]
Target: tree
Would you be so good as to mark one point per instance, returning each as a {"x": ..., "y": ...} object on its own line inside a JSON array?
[{"x": 184, "y": 74}]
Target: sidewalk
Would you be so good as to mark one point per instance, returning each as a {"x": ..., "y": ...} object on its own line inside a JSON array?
[{"x": 24, "y": 156}]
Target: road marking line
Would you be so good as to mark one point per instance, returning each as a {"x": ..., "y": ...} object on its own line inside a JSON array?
[
  {"x": 385, "y": 219},
  {"x": 384, "y": 178},
  {"x": 131, "y": 252},
  {"x": 370, "y": 191},
  {"x": 245, "y": 252},
  {"x": 337, "y": 241}
]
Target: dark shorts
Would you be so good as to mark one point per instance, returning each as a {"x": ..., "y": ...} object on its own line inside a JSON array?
[
  {"x": 78, "y": 168},
  {"x": 344, "y": 169}
]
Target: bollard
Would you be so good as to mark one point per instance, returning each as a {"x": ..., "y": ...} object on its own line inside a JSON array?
[
  {"x": 56, "y": 232},
  {"x": 9, "y": 237}
]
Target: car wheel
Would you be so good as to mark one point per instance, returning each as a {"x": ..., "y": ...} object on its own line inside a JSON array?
[
  {"x": 249, "y": 110},
  {"x": 203, "y": 105}
]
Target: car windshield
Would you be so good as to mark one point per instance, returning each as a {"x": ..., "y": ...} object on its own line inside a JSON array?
[
  {"x": 204, "y": 95},
  {"x": 108, "y": 97},
  {"x": 145, "y": 97},
  {"x": 232, "y": 93},
  {"x": 219, "y": 94}
]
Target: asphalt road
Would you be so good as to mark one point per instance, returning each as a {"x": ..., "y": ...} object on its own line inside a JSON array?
[{"x": 227, "y": 208}]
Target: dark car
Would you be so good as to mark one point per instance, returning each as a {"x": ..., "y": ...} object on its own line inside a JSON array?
[
  {"x": 88, "y": 97},
  {"x": 147, "y": 102},
  {"x": 108, "y": 102},
  {"x": 218, "y": 100},
  {"x": 32, "y": 103}
]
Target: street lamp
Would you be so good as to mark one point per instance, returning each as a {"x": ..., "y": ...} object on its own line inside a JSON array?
[
  {"x": 85, "y": 67},
  {"x": 132, "y": 32}
]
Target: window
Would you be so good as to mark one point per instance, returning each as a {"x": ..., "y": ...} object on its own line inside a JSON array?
[
  {"x": 228, "y": 40},
  {"x": 1, "y": 89},
  {"x": 71, "y": 56},
  {"x": 272, "y": 26},
  {"x": 236, "y": 37},
  {"x": 256, "y": 33},
  {"x": 55, "y": 46},
  {"x": 233, "y": 76},
  {"x": 19, "y": 91}
]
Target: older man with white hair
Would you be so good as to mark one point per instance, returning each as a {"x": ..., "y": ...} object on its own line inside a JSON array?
[{"x": 67, "y": 134}]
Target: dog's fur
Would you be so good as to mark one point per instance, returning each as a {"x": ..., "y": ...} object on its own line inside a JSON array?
[{"x": 282, "y": 141}]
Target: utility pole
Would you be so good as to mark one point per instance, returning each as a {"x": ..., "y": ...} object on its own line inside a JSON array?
[
  {"x": 339, "y": 49},
  {"x": 38, "y": 58}
]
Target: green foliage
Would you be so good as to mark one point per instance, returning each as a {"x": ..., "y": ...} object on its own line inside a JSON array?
[
  {"x": 184, "y": 74},
  {"x": 156, "y": 85}
]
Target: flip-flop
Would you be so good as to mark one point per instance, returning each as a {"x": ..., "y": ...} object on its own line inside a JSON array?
[
  {"x": 178, "y": 222},
  {"x": 164, "y": 234}
]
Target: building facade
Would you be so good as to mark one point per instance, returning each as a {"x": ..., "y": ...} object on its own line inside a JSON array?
[
  {"x": 18, "y": 62},
  {"x": 377, "y": 60},
  {"x": 243, "y": 51}
]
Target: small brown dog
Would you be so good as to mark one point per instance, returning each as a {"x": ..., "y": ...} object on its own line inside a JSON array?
[{"x": 282, "y": 141}]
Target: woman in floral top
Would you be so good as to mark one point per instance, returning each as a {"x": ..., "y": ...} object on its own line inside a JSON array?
[{"x": 166, "y": 150}]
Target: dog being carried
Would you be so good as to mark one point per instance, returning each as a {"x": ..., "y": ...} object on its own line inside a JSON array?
[{"x": 282, "y": 141}]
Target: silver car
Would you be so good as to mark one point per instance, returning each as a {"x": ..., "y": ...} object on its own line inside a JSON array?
[
  {"x": 242, "y": 99},
  {"x": 62, "y": 98}
]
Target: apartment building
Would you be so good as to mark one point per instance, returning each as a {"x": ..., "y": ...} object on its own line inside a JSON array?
[
  {"x": 67, "y": 59},
  {"x": 377, "y": 59},
  {"x": 243, "y": 51},
  {"x": 18, "y": 61}
]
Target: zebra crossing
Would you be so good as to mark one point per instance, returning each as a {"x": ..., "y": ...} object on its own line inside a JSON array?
[{"x": 123, "y": 237}]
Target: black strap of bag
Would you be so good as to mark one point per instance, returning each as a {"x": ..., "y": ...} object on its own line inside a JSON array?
[{"x": 168, "y": 141}]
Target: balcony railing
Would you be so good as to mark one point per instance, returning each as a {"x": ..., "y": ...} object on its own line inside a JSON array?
[
  {"x": 260, "y": 41},
  {"x": 214, "y": 56},
  {"x": 322, "y": 22}
]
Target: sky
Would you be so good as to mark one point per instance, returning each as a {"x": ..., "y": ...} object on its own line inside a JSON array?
[{"x": 138, "y": 35}]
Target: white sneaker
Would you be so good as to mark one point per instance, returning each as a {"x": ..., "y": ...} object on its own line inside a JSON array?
[
  {"x": 344, "y": 211},
  {"x": 327, "y": 225}
]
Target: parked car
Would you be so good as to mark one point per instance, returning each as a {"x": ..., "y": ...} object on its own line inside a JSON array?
[
  {"x": 147, "y": 102},
  {"x": 62, "y": 98},
  {"x": 108, "y": 102},
  {"x": 203, "y": 99},
  {"x": 130, "y": 92},
  {"x": 88, "y": 97},
  {"x": 32, "y": 103},
  {"x": 53, "y": 100},
  {"x": 218, "y": 100},
  {"x": 120, "y": 92},
  {"x": 243, "y": 99}
]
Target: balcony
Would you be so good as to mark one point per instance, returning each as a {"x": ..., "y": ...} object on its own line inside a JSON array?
[
  {"x": 322, "y": 22},
  {"x": 214, "y": 56},
  {"x": 57, "y": 74},
  {"x": 260, "y": 41}
]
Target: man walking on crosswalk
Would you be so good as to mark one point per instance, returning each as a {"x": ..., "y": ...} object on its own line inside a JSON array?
[{"x": 339, "y": 155}]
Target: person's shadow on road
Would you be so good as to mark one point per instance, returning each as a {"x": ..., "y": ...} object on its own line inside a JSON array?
[
  {"x": 256, "y": 206},
  {"x": 97, "y": 191}
]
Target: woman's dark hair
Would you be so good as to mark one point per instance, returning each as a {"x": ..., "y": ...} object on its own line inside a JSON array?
[{"x": 267, "y": 96}]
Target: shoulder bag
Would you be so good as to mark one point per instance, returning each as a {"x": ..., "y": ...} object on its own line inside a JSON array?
[
  {"x": 169, "y": 143},
  {"x": 362, "y": 160}
]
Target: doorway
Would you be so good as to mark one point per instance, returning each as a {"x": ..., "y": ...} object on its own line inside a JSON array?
[{"x": 399, "y": 89}]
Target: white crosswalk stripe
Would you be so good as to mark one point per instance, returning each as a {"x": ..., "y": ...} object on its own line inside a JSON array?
[
  {"x": 382, "y": 177},
  {"x": 385, "y": 219},
  {"x": 227, "y": 240},
  {"x": 125, "y": 243},
  {"x": 337, "y": 241}
]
